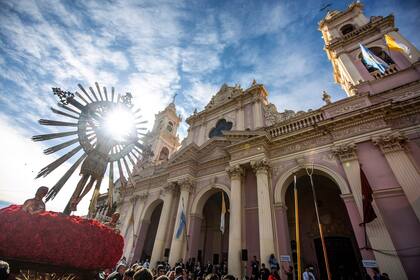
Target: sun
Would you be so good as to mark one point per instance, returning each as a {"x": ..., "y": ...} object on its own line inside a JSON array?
[{"x": 120, "y": 124}]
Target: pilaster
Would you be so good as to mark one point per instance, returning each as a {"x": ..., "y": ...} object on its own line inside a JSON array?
[
  {"x": 377, "y": 232},
  {"x": 266, "y": 231},
  {"x": 393, "y": 146}
]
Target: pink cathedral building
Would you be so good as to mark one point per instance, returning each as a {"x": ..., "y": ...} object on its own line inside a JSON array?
[{"x": 242, "y": 148}]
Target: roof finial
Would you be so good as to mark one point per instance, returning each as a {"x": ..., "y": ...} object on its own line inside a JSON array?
[
  {"x": 326, "y": 97},
  {"x": 173, "y": 98}
]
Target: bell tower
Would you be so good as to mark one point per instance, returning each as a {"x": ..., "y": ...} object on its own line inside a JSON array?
[
  {"x": 343, "y": 31},
  {"x": 163, "y": 138}
]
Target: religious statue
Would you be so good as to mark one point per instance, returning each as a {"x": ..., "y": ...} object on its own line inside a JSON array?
[
  {"x": 114, "y": 220},
  {"x": 102, "y": 147},
  {"x": 36, "y": 205}
]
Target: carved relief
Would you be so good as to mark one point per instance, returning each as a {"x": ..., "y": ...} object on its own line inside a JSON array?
[
  {"x": 235, "y": 172},
  {"x": 225, "y": 94},
  {"x": 347, "y": 108},
  {"x": 345, "y": 152},
  {"x": 392, "y": 142},
  {"x": 359, "y": 129}
]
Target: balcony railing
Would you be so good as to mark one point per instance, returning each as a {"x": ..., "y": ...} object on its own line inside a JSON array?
[
  {"x": 391, "y": 70},
  {"x": 299, "y": 123}
]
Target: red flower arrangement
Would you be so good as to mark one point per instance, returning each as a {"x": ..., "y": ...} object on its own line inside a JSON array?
[{"x": 56, "y": 239}]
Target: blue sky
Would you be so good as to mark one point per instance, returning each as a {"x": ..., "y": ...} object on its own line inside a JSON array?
[{"x": 155, "y": 49}]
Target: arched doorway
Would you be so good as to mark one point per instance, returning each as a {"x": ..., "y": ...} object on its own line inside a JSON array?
[
  {"x": 343, "y": 253},
  {"x": 148, "y": 230},
  {"x": 213, "y": 243}
]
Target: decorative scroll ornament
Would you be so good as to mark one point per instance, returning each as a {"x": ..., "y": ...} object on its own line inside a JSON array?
[{"x": 99, "y": 147}]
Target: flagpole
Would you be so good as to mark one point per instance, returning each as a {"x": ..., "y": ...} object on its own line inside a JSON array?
[
  {"x": 299, "y": 267},
  {"x": 321, "y": 233}
]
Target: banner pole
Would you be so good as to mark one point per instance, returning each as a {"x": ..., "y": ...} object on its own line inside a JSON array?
[
  {"x": 321, "y": 233},
  {"x": 299, "y": 267}
]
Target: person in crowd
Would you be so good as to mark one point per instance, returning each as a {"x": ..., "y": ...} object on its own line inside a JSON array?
[
  {"x": 308, "y": 275},
  {"x": 162, "y": 277},
  {"x": 160, "y": 270},
  {"x": 274, "y": 275},
  {"x": 129, "y": 274},
  {"x": 264, "y": 272},
  {"x": 255, "y": 268},
  {"x": 288, "y": 272},
  {"x": 118, "y": 274},
  {"x": 212, "y": 276},
  {"x": 274, "y": 264},
  {"x": 143, "y": 274},
  {"x": 229, "y": 277},
  {"x": 179, "y": 273},
  {"x": 36, "y": 205},
  {"x": 209, "y": 268},
  {"x": 4, "y": 270},
  {"x": 146, "y": 263}
]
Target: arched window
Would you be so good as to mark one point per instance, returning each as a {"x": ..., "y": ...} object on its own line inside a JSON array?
[
  {"x": 164, "y": 154},
  {"x": 221, "y": 125},
  {"x": 347, "y": 29},
  {"x": 170, "y": 126},
  {"x": 379, "y": 52}
]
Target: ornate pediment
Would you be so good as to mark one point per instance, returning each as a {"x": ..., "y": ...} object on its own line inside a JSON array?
[{"x": 225, "y": 94}]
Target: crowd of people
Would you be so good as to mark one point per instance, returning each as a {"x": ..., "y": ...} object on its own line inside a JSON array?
[
  {"x": 192, "y": 270},
  {"x": 189, "y": 270}
]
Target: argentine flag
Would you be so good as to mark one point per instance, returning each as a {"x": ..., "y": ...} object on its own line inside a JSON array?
[
  {"x": 372, "y": 60},
  {"x": 222, "y": 215},
  {"x": 182, "y": 221}
]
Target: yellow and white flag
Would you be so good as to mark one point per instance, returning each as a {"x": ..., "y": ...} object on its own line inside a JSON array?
[
  {"x": 396, "y": 45},
  {"x": 222, "y": 215}
]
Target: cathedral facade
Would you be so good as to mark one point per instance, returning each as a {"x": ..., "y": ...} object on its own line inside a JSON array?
[{"x": 242, "y": 153}]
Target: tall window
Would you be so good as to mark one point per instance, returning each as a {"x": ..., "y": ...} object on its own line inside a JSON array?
[
  {"x": 164, "y": 154},
  {"x": 347, "y": 29},
  {"x": 170, "y": 126},
  {"x": 379, "y": 52},
  {"x": 221, "y": 125}
]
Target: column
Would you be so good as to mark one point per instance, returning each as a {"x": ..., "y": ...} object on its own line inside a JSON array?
[
  {"x": 235, "y": 223},
  {"x": 157, "y": 252},
  {"x": 175, "y": 252},
  {"x": 264, "y": 210},
  {"x": 393, "y": 147},
  {"x": 377, "y": 232}
]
